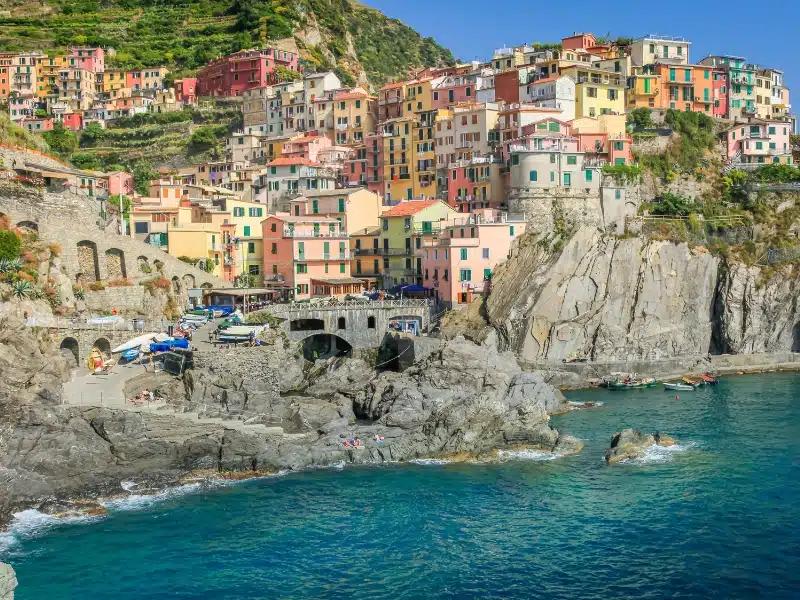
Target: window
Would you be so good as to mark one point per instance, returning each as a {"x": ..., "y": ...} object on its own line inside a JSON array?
[
  {"x": 618, "y": 194},
  {"x": 487, "y": 274},
  {"x": 588, "y": 175},
  {"x": 619, "y": 145},
  {"x": 315, "y": 206},
  {"x": 485, "y": 253},
  {"x": 567, "y": 179},
  {"x": 302, "y": 268},
  {"x": 552, "y": 158},
  {"x": 672, "y": 74},
  {"x": 274, "y": 249},
  {"x": 552, "y": 176},
  {"x": 515, "y": 159},
  {"x": 341, "y": 268},
  {"x": 251, "y": 247},
  {"x": 572, "y": 160},
  {"x": 141, "y": 227},
  {"x": 370, "y": 322},
  {"x": 533, "y": 176},
  {"x": 591, "y": 92},
  {"x": 463, "y": 254},
  {"x": 341, "y": 205},
  {"x": 553, "y": 126},
  {"x": 511, "y": 230},
  {"x": 358, "y": 103},
  {"x": 772, "y": 131},
  {"x": 446, "y": 275},
  {"x": 759, "y": 145},
  {"x": 465, "y": 275},
  {"x": 247, "y": 230},
  {"x": 652, "y": 48}
]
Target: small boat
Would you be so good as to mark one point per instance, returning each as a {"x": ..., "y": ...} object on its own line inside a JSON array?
[
  {"x": 632, "y": 384},
  {"x": 708, "y": 378},
  {"x": 131, "y": 354},
  {"x": 134, "y": 343},
  {"x": 681, "y": 387},
  {"x": 692, "y": 382}
]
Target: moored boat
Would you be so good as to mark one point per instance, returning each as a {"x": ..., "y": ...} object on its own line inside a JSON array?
[
  {"x": 708, "y": 378},
  {"x": 632, "y": 384},
  {"x": 692, "y": 382},
  {"x": 683, "y": 387}
]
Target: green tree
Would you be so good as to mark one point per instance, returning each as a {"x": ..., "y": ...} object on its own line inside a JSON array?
[
  {"x": 143, "y": 174},
  {"x": 61, "y": 140},
  {"x": 640, "y": 118}
]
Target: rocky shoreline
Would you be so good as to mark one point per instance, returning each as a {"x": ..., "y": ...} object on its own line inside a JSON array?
[{"x": 262, "y": 410}]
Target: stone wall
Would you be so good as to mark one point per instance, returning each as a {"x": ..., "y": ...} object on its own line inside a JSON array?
[
  {"x": 8, "y": 582},
  {"x": 90, "y": 253}
]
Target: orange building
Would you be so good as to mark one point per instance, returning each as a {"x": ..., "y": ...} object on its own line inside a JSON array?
[{"x": 680, "y": 87}]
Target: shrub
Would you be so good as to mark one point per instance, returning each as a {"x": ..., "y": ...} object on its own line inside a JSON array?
[
  {"x": 10, "y": 244},
  {"x": 641, "y": 118},
  {"x": 124, "y": 282},
  {"x": 97, "y": 286},
  {"x": 623, "y": 173},
  {"x": 23, "y": 276},
  {"x": 21, "y": 289},
  {"x": 155, "y": 284},
  {"x": 55, "y": 249}
]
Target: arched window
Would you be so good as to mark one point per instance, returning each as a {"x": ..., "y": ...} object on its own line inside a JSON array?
[{"x": 370, "y": 322}]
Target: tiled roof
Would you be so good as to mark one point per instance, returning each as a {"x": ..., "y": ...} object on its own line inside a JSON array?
[
  {"x": 286, "y": 161},
  {"x": 409, "y": 207},
  {"x": 352, "y": 96},
  {"x": 392, "y": 86}
]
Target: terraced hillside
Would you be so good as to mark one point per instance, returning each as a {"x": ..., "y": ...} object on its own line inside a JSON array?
[{"x": 360, "y": 43}]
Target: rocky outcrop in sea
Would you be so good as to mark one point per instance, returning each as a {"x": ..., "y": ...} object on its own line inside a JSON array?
[
  {"x": 629, "y": 444},
  {"x": 8, "y": 582}
]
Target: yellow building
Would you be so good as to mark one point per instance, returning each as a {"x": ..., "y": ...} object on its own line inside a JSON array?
[
  {"x": 425, "y": 155},
  {"x": 645, "y": 90},
  {"x": 403, "y": 229},
  {"x": 365, "y": 250},
  {"x": 253, "y": 255},
  {"x": 47, "y": 68},
  {"x": 353, "y": 117},
  {"x": 398, "y": 158},
  {"x": 113, "y": 80},
  {"x": 597, "y": 92},
  {"x": 419, "y": 97},
  {"x": 246, "y": 216}
]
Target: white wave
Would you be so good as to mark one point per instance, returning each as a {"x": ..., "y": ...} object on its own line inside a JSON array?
[
  {"x": 127, "y": 485},
  {"x": 428, "y": 461},
  {"x": 33, "y": 523},
  {"x": 660, "y": 454},
  {"x": 536, "y": 455},
  {"x": 573, "y": 405},
  {"x": 139, "y": 501}
]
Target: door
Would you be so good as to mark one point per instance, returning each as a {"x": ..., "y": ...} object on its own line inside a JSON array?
[{"x": 567, "y": 179}]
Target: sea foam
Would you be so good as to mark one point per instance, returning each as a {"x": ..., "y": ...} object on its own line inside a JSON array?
[
  {"x": 33, "y": 523},
  {"x": 660, "y": 454}
]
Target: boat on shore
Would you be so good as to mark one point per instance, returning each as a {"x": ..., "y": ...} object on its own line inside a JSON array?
[{"x": 679, "y": 387}]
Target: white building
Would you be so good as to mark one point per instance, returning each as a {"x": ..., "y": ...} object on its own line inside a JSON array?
[{"x": 553, "y": 92}]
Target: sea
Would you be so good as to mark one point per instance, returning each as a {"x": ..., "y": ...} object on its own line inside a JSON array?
[{"x": 716, "y": 516}]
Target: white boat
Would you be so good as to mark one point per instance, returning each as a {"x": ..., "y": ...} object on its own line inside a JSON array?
[
  {"x": 135, "y": 342},
  {"x": 195, "y": 318},
  {"x": 240, "y": 330},
  {"x": 681, "y": 387}
]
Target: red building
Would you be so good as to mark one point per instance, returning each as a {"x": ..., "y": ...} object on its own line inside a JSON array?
[
  {"x": 73, "y": 121},
  {"x": 244, "y": 70},
  {"x": 91, "y": 59},
  {"x": 720, "y": 91},
  {"x": 506, "y": 86},
  {"x": 186, "y": 90}
]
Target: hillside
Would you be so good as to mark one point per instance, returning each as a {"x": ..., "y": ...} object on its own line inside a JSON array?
[{"x": 360, "y": 43}]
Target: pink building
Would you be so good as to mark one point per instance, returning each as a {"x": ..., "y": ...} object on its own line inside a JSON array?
[
  {"x": 185, "y": 90},
  {"x": 309, "y": 255},
  {"x": 91, "y": 59},
  {"x": 758, "y": 142},
  {"x": 36, "y": 125},
  {"x": 354, "y": 172},
  {"x": 615, "y": 150},
  {"x": 459, "y": 264},
  {"x": 307, "y": 146},
  {"x": 720, "y": 92},
  {"x": 453, "y": 89},
  {"x": 244, "y": 70},
  {"x": 120, "y": 183},
  {"x": 474, "y": 184}
]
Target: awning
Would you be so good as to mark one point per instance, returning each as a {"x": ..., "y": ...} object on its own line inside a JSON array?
[{"x": 338, "y": 281}]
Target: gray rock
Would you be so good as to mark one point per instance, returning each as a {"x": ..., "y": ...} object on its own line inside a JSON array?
[
  {"x": 629, "y": 444},
  {"x": 8, "y": 582}
]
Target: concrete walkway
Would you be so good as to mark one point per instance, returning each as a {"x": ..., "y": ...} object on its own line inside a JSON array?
[{"x": 108, "y": 391}]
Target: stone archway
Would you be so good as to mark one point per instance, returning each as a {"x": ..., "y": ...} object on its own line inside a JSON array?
[
  {"x": 188, "y": 281},
  {"x": 207, "y": 286},
  {"x": 31, "y": 226},
  {"x": 325, "y": 345},
  {"x": 70, "y": 350},
  {"x": 158, "y": 265},
  {"x": 88, "y": 267},
  {"x": 115, "y": 264},
  {"x": 103, "y": 345}
]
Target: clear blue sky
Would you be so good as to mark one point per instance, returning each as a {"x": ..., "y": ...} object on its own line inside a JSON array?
[{"x": 766, "y": 33}]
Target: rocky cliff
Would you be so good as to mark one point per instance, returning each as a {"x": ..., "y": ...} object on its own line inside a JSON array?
[
  {"x": 463, "y": 400},
  {"x": 608, "y": 298}
]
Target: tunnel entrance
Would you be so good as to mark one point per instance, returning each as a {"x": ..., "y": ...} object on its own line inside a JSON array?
[
  {"x": 326, "y": 345},
  {"x": 396, "y": 353},
  {"x": 69, "y": 350},
  {"x": 306, "y": 325}
]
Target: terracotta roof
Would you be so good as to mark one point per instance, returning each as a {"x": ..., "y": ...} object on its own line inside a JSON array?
[
  {"x": 285, "y": 161},
  {"x": 352, "y": 96},
  {"x": 305, "y": 139},
  {"x": 409, "y": 207},
  {"x": 547, "y": 79},
  {"x": 392, "y": 86}
]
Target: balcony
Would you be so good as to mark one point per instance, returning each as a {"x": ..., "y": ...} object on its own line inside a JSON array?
[
  {"x": 332, "y": 256},
  {"x": 274, "y": 277},
  {"x": 683, "y": 81},
  {"x": 313, "y": 233},
  {"x": 368, "y": 251},
  {"x": 463, "y": 144},
  {"x": 341, "y": 126},
  {"x": 427, "y": 228}
]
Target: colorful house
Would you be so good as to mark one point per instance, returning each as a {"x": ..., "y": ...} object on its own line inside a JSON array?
[
  {"x": 660, "y": 48},
  {"x": 458, "y": 265},
  {"x": 474, "y": 184},
  {"x": 741, "y": 83},
  {"x": 308, "y": 254},
  {"x": 366, "y": 258},
  {"x": 597, "y": 92},
  {"x": 232, "y": 75},
  {"x": 403, "y": 229},
  {"x": 758, "y": 142},
  {"x": 354, "y": 117},
  {"x": 390, "y": 100}
]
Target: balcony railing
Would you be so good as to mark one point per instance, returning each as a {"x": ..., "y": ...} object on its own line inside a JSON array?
[
  {"x": 307, "y": 256},
  {"x": 274, "y": 277},
  {"x": 464, "y": 144},
  {"x": 313, "y": 233},
  {"x": 368, "y": 251}
]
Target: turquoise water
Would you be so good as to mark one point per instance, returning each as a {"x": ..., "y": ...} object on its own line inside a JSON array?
[{"x": 717, "y": 518}]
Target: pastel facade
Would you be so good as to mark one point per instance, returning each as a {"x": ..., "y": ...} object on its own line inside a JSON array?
[
  {"x": 758, "y": 142},
  {"x": 552, "y": 160},
  {"x": 474, "y": 184},
  {"x": 287, "y": 177},
  {"x": 741, "y": 83},
  {"x": 597, "y": 92},
  {"x": 656, "y": 48},
  {"x": 552, "y": 92},
  {"x": 458, "y": 265},
  {"x": 308, "y": 254},
  {"x": 354, "y": 117},
  {"x": 232, "y": 75}
]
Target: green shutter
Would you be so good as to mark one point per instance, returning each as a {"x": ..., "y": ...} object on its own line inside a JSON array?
[
  {"x": 672, "y": 74},
  {"x": 533, "y": 176},
  {"x": 588, "y": 175},
  {"x": 511, "y": 230},
  {"x": 341, "y": 267},
  {"x": 341, "y": 204},
  {"x": 315, "y": 206},
  {"x": 247, "y": 230},
  {"x": 463, "y": 254}
]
